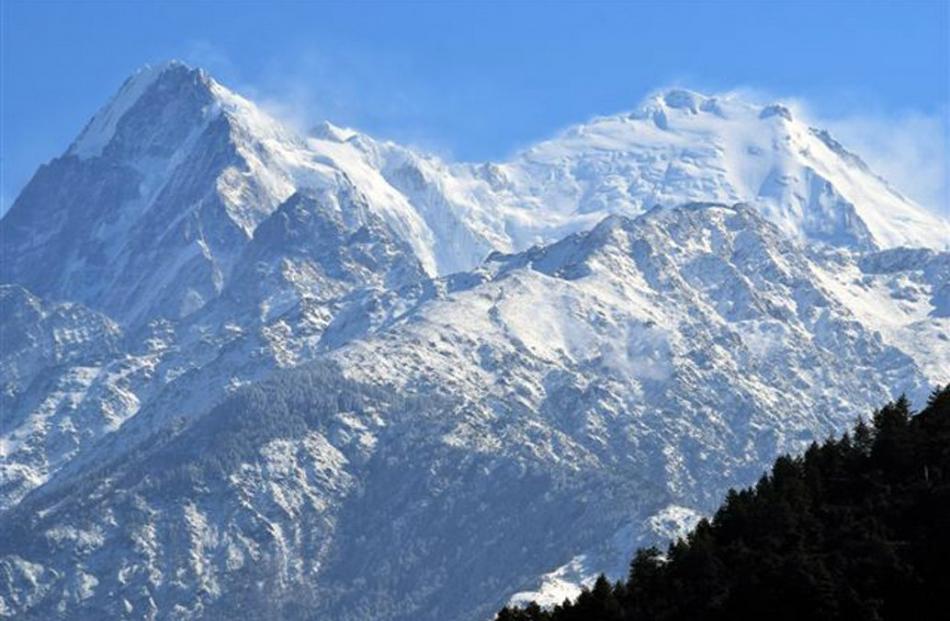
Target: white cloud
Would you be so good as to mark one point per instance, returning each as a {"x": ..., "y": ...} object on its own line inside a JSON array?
[
  {"x": 210, "y": 57},
  {"x": 374, "y": 93},
  {"x": 909, "y": 149},
  {"x": 382, "y": 95}
]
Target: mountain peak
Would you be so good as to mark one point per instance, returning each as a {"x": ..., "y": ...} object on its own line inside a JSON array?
[
  {"x": 685, "y": 102},
  {"x": 683, "y": 99},
  {"x": 776, "y": 109},
  {"x": 641, "y": 350},
  {"x": 328, "y": 131},
  {"x": 690, "y": 224},
  {"x": 167, "y": 76}
]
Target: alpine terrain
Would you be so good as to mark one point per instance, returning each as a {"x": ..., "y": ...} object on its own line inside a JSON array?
[{"x": 248, "y": 372}]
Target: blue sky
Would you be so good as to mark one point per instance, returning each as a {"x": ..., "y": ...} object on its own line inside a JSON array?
[{"x": 477, "y": 81}]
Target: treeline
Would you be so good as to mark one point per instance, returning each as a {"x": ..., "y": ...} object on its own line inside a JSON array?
[{"x": 856, "y": 528}]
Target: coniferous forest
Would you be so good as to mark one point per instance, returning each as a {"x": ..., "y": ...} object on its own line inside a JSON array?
[{"x": 856, "y": 528}]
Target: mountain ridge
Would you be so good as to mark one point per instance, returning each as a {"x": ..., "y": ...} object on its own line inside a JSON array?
[
  {"x": 453, "y": 215},
  {"x": 390, "y": 358}
]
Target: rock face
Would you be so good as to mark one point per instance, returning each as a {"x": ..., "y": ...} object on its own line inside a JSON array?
[{"x": 252, "y": 373}]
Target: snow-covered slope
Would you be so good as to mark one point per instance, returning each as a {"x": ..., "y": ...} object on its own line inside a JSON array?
[
  {"x": 307, "y": 256},
  {"x": 681, "y": 146},
  {"x": 678, "y": 147},
  {"x": 545, "y": 361},
  {"x": 147, "y": 211},
  {"x": 52, "y": 356},
  {"x": 633, "y": 372}
]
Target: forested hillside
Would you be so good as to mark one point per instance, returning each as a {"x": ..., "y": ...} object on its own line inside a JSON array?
[{"x": 856, "y": 528}]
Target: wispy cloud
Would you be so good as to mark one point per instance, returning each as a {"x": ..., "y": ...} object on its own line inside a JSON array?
[
  {"x": 348, "y": 87},
  {"x": 909, "y": 148},
  {"x": 210, "y": 57},
  {"x": 377, "y": 94}
]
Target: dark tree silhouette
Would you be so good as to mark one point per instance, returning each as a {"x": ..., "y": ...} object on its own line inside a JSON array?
[{"x": 855, "y": 529}]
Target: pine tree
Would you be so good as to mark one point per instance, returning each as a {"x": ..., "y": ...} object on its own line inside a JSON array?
[{"x": 857, "y": 528}]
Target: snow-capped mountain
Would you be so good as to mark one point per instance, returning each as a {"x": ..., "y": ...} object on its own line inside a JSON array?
[
  {"x": 494, "y": 361},
  {"x": 148, "y": 210}
]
